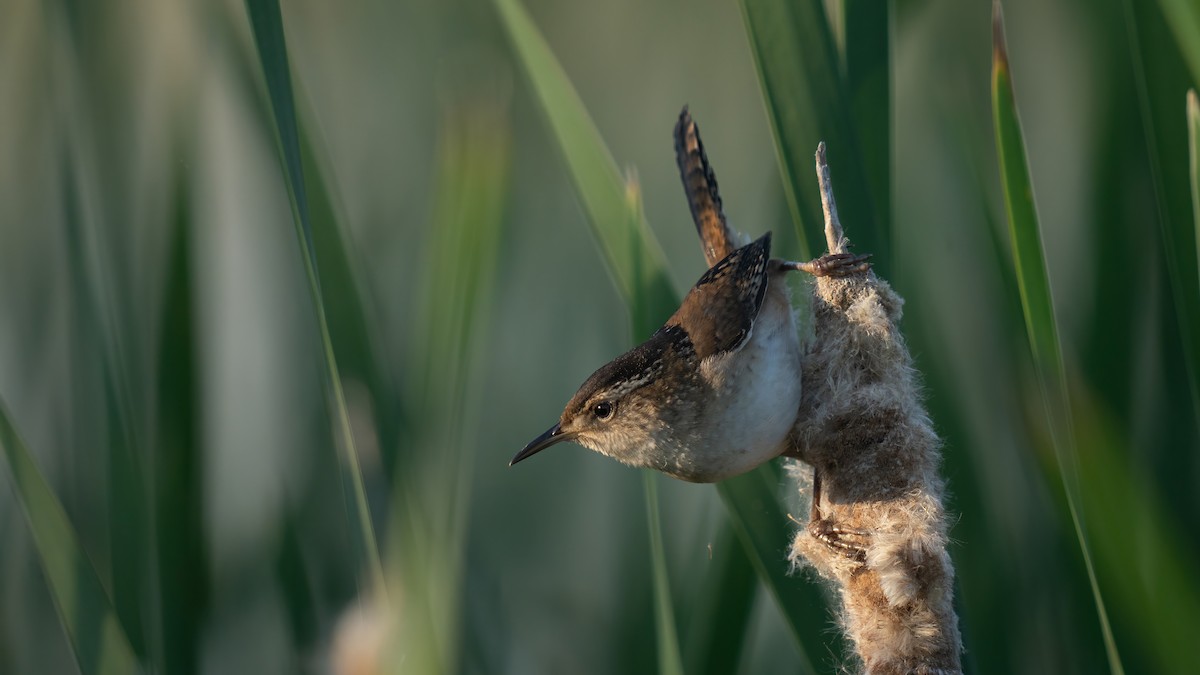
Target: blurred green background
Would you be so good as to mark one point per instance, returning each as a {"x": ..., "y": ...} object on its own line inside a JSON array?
[{"x": 162, "y": 360}]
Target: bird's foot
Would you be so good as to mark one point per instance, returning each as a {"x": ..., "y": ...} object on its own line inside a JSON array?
[
  {"x": 832, "y": 265},
  {"x": 848, "y": 542}
]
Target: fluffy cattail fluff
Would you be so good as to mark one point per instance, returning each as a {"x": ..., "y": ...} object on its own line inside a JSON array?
[{"x": 863, "y": 427}]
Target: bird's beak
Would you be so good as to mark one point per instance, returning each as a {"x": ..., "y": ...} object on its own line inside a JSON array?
[{"x": 553, "y": 435}]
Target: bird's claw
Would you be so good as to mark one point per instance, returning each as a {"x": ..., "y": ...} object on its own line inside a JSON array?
[
  {"x": 834, "y": 265},
  {"x": 842, "y": 540}
]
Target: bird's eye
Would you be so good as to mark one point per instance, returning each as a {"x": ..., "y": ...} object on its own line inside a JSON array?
[{"x": 602, "y": 410}]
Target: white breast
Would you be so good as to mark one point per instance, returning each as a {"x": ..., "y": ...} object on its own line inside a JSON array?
[{"x": 758, "y": 390}]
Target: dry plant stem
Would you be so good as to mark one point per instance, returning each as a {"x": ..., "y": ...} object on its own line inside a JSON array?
[{"x": 879, "y": 526}]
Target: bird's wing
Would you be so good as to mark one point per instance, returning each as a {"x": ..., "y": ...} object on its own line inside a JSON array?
[{"x": 718, "y": 313}]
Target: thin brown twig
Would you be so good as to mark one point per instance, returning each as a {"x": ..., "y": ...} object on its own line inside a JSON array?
[{"x": 835, "y": 237}]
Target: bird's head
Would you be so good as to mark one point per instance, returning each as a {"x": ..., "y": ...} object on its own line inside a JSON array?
[{"x": 623, "y": 408}]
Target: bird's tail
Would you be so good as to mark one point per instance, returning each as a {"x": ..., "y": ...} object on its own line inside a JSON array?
[{"x": 700, "y": 185}]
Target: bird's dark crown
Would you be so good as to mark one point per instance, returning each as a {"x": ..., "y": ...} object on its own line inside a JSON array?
[{"x": 634, "y": 369}]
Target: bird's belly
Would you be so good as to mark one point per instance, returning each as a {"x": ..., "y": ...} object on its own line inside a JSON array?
[{"x": 757, "y": 395}]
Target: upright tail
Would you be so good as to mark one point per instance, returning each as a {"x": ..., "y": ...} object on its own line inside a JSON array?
[{"x": 700, "y": 185}]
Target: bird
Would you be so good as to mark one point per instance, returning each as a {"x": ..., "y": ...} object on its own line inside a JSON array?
[{"x": 715, "y": 391}]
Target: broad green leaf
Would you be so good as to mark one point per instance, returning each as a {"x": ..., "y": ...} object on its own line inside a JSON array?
[
  {"x": 1036, "y": 300},
  {"x": 806, "y": 101},
  {"x": 96, "y": 635},
  {"x": 1138, "y": 547},
  {"x": 267, "y": 26},
  {"x": 1160, "y": 76},
  {"x": 1183, "y": 16}
]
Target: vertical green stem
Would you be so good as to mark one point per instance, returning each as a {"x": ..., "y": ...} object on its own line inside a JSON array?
[
  {"x": 267, "y": 25},
  {"x": 1037, "y": 301},
  {"x": 670, "y": 662}
]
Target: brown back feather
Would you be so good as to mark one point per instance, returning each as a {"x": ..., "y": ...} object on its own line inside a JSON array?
[{"x": 719, "y": 312}]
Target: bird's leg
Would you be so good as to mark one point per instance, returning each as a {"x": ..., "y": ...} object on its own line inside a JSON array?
[
  {"x": 831, "y": 265},
  {"x": 824, "y": 531}
]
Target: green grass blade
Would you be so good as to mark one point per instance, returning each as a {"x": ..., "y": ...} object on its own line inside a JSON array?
[
  {"x": 101, "y": 338},
  {"x": 670, "y": 661},
  {"x": 766, "y": 533},
  {"x": 358, "y": 346},
  {"x": 96, "y": 635},
  {"x": 356, "y": 342},
  {"x": 1193, "y": 125},
  {"x": 179, "y": 463},
  {"x": 266, "y": 23},
  {"x": 632, "y": 253},
  {"x": 867, "y": 54},
  {"x": 267, "y": 26},
  {"x": 720, "y": 617},
  {"x": 1034, "y": 285},
  {"x": 806, "y": 102},
  {"x": 98, "y": 340},
  {"x": 1183, "y": 16},
  {"x": 429, "y": 519}
]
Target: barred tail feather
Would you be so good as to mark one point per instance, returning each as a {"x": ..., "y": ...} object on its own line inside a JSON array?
[{"x": 700, "y": 185}]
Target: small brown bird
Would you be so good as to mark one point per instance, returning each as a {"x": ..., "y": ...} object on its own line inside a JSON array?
[{"x": 715, "y": 391}]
